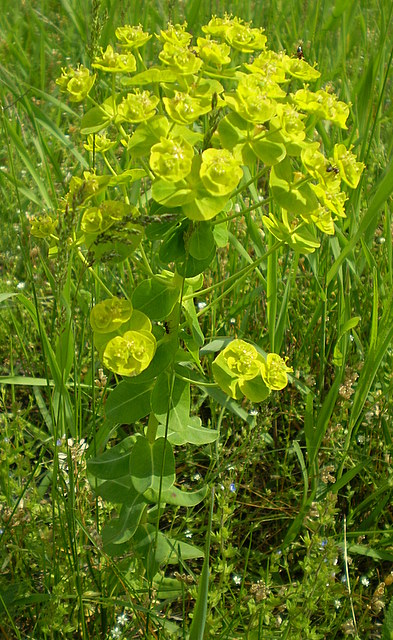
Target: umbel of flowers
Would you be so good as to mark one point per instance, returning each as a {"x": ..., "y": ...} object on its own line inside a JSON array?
[
  {"x": 123, "y": 336},
  {"x": 185, "y": 128},
  {"x": 173, "y": 146}
]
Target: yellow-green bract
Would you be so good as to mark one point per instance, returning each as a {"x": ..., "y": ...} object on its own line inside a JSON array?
[{"x": 241, "y": 370}]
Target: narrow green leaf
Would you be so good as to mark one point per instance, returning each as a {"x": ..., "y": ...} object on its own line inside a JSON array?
[
  {"x": 62, "y": 405},
  {"x": 374, "y": 318},
  {"x": 387, "y": 627},
  {"x": 383, "y": 192},
  {"x": 199, "y": 615}
]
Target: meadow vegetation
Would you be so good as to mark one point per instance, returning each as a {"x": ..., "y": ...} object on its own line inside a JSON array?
[{"x": 162, "y": 473}]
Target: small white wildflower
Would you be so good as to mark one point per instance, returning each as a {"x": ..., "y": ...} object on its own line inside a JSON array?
[
  {"x": 188, "y": 533},
  {"x": 122, "y": 619},
  {"x": 365, "y": 581},
  {"x": 82, "y": 446},
  {"x": 253, "y": 412},
  {"x": 232, "y": 321},
  {"x": 196, "y": 476},
  {"x": 237, "y": 579},
  {"x": 337, "y": 604},
  {"x": 361, "y": 439},
  {"x": 21, "y": 286},
  {"x": 382, "y": 240},
  {"x": 201, "y": 305},
  {"x": 116, "y": 632}
]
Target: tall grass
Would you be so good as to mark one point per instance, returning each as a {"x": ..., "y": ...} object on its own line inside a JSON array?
[{"x": 301, "y": 543}]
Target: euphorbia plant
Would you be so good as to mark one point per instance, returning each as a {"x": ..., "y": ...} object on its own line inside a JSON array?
[{"x": 172, "y": 147}]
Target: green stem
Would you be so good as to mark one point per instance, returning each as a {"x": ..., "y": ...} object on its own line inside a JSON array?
[{"x": 93, "y": 273}]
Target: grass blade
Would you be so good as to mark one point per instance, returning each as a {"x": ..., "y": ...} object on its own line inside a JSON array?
[{"x": 200, "y": 610}]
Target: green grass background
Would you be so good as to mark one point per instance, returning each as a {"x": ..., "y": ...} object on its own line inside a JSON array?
[{"x": 289, "y": 559}]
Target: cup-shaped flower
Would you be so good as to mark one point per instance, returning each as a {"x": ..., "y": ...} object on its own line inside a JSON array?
[
  {"x": 138, "y": 106},
  {"x": 132, "y": 37},
  {"x": 130, "y": 354},
  {"x": 239, "y": 363},
  {"x": 92, "y": 221},
  {"x": 42, "y": 226},
  {"x": 82, "y": 189},
  {"x": 254, "y": 99},
  {"x": 322, "y": 169},
  {"x": 217, "y": 26},
  {"x": 350, "y": 170},
  {"x": 274, "y": 372},
  {"x": 316, "y": 163},
  {"x": 110, "y": 314},
  {"x": 299, "y": 68},
  {"x": 300, "y": 237},
  {"x": 213, "y": 53},
  {"x": 245, "y": 39},
  {"x": 180, "y": 59},
  {"x": 176, "y": 35},
  {"x": 171, "y": 159},
  {"x": 269, "y": 64},
  {"x": 99, "y": 219},
  {"x": 333, "y": 200},
  {"x": 76, "y": 82},
  {"x": 289, "y": 123},
  {"x": 220, "y": 172},
  {"x": 184, "y": 109},
  {"x": 322, "y": 218},
  {"x": 113, "y": 62},
  {"x": 323, "y": 104},
  {"x": 99, "y": 143}
]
